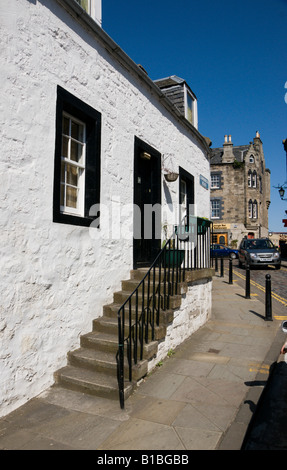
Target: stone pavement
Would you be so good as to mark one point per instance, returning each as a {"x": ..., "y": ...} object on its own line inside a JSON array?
[{"x": 201, "y": 398}]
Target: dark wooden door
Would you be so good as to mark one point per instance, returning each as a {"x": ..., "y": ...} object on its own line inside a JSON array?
[{"x": 147, "y": 200}]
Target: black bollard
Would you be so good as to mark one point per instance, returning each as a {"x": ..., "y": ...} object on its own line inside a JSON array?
[
  {"x": 268, "y": 302},
  {"x": 221, "y": 268},
  {"x": 247, "y": 282},
  {"x": 216, "y": 264},
  {"x": 230, "y": 271}
]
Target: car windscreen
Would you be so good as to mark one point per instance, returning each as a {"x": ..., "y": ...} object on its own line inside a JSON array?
[{"x": 259, "y": 244}]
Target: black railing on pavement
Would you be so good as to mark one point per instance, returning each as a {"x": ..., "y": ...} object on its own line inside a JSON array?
[{"x": 187, "y": 249}]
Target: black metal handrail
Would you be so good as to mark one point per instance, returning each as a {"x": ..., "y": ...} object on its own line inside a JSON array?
[{"x": 140, "y": 314}]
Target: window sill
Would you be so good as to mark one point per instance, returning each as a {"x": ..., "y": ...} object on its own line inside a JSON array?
[{"x": 73, "y": 220}]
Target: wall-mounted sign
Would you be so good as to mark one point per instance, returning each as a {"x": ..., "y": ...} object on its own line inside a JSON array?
[
  {"x": 221, "y": 226},
  {"x": 203, "y": 182}
]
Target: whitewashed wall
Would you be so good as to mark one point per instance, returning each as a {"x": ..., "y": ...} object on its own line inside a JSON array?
[
  {"x": 193, "y": 313},
  {"x": 55, "y": 278}
]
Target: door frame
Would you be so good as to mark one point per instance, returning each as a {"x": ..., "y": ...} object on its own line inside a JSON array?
[{"x": 189, "y": 180}]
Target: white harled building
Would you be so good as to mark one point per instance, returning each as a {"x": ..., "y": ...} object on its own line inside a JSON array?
[{"x": 86, "y": 136}]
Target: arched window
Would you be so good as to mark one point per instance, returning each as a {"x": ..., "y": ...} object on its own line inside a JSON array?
[
  {"x": 254, "y": 179},
  {"x": 251, "y": 159},
  {"x": 250, "y": 211},
  {"x": 254, "y": 210},
  {"x": 249, "y": 179}
]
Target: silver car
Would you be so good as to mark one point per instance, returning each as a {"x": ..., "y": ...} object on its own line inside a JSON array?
[{"x": 258, "y": 252}]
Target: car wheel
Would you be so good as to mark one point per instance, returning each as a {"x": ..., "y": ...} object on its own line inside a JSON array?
[{"x": 278, "y": 267}]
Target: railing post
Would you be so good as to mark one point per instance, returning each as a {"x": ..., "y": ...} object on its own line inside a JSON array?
[
  {"x": 221, "y": 268},
  {"x": 120, "y": 363},
  {"x": 230, "y": 271},
  {"x": 247, "y": 282},
  {"x": 268, "y": 301}
]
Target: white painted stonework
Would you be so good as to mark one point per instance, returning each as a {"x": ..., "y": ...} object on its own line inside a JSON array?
[
  {"x": 193, "y": 313},
  {"x": 55, "y": 278}
]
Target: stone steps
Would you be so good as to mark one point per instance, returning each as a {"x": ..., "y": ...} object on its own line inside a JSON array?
[{"x": 92, "y": 368}]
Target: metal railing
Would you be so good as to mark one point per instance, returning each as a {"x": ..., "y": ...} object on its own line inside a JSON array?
[{"x": 187, "y": 249}]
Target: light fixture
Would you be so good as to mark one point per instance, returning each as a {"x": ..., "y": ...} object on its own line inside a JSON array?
[
  {"x": 145, "y": 155},
  {"x": 281, "y": 192}
]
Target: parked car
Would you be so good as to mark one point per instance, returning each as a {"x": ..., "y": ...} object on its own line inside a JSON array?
[
  {"x": 259, "y": 252},
  {"x": 223, "y": 250}
]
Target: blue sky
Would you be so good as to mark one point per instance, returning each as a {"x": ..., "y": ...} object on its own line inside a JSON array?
[{"x": 233, "y": 55}]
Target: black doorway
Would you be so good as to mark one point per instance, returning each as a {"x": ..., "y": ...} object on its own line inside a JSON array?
[{"x": 147, "y": 201}]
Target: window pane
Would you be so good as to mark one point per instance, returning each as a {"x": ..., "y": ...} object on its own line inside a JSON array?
[
  {"x": 250, "y": 210},
  {"x": 84, "y": 4},
  {"x": 189, "y": 107},
  {"x": 76, "y": 151},
  {"x": 63, "y": 166},
  {"x": 77, "y": 131},
  {"x": 65, "y": 125},
  {"x": 72, "y": 175},
  {"x": 71, "y": 197},
  {"x": 183, "y": 192},
  {"x": 65, "y": 147},
  {"x": 62, "y": 192}
]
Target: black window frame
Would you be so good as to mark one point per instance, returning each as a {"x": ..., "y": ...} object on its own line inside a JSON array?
[{"x": 66, "y": 102}]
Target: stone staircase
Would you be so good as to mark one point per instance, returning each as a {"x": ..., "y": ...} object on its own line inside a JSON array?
[{"x": 92, "y": 368}]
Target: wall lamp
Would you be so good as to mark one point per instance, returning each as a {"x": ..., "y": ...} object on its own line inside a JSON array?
[{"x": 281, "y": 193}]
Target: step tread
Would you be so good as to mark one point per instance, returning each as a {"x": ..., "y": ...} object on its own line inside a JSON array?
[
  {"x": 96, "y": 355},
  {"x": 77, "y": 374},
  {"x": 90, "y": 382},
  {"x": 100, "y": 336},
  {"x": 128, "y": 293}
]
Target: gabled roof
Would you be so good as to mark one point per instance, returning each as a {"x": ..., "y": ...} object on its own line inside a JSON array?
[{"x": 239, "y": 153}]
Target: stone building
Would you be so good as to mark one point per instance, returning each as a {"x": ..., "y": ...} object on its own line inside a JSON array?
[
  {"x": 240, "y": 191},
  {"x": 86, "y": 135}
]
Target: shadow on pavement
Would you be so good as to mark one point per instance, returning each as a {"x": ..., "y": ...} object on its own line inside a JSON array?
[{"x": 267, "y": 429}]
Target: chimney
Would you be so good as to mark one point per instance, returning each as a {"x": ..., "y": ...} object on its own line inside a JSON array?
[
  {"x": 257, "y": 142},
  {"x": 227, "y": 156}
]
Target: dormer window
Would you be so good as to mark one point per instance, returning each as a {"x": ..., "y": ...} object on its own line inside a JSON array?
[
  {"x": 190, "y": 107},
  {"x": 85, "y": 4},
  {"x": 179, "y": 93},
  {"x": 251, "y": 159},
  {"x": 93, "y": 8}
]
